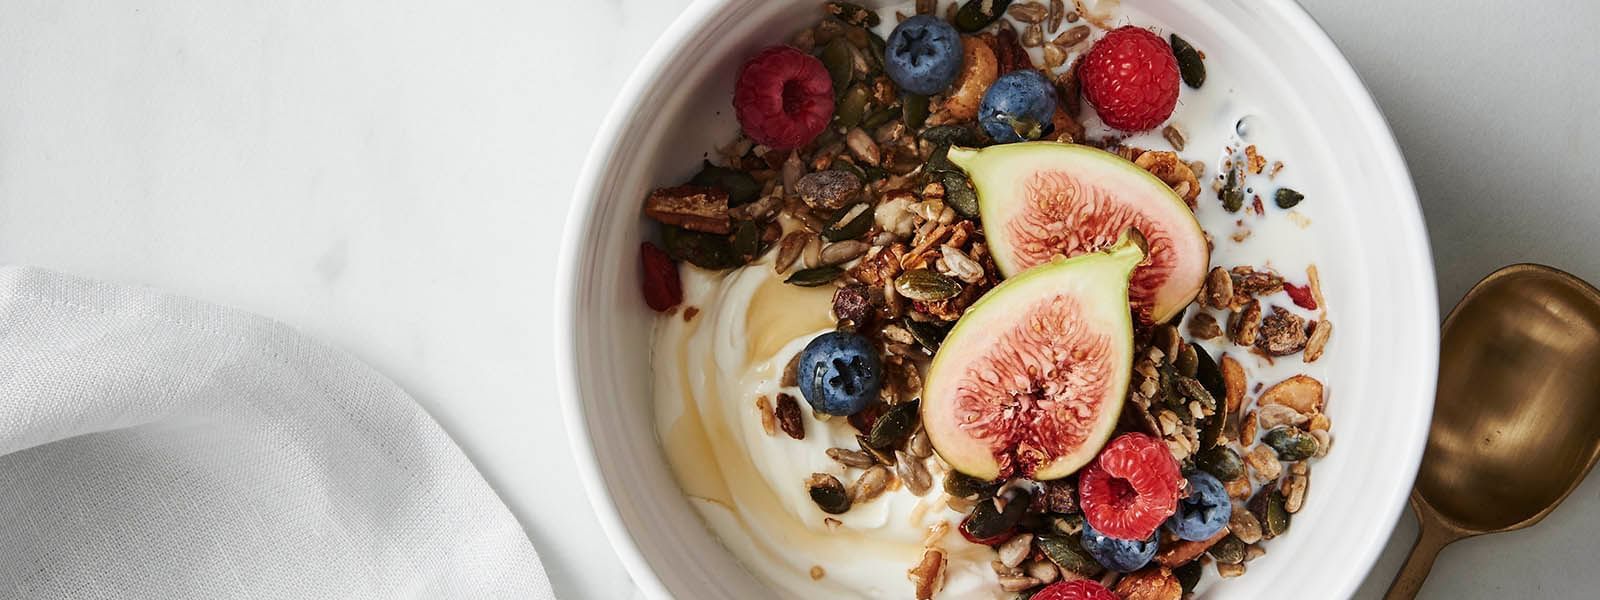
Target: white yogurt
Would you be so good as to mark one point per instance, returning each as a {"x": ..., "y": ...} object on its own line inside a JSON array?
[{"x": 750, "y": 486}]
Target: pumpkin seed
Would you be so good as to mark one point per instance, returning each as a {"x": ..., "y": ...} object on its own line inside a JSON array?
[
  {"x": 1285, "y": 197},
  {"x": 848, "y": 223},
  {"x": 929, "y": 335},
  {"x": 1228, "y": 550},
  {"x": 879, "y": 117},
  {"x": 924, "y": 285},
  {"x": 914, "y": 110},
  {"x": 704, "y": 250},
  {"x": 836, "y": 57},
  {"x": 1222, "y": 462},
  {"x": 1211, "y": 432},
  {"x": 852, "y": 13},
  {"x": 828, "y": 493},
  {"x": 988, "y": 520},
  {"x": 1187, "y": 360},
  {"x": 950, "y": 135},
  {"x": 939, "y": 161},
  {"x": 1291, "y": 444},
  {"x": 741, "y": 187},
  {"x": 1190, "y": 65},
  {"x": 1189, "y": 575},
  {"x": 841, "y": 164},
  {"x": 876, "y": 47},
  {"x": 1067, "y": 552},
  {"x": 962, "y": 485},
  {"x": 884, "y": 456},
  {"x": 894, "y": 426},
  {"x": 1268, "y": 508},
  {"x": 958, "y": 193},
  {"x": 852, "y": 107},
  {"x": 747, "y": 241},
  {"x": 1232, "y": 193},
  {"x": 814, "y": 276},
  {"x": 975, "y": 15},
  {"x": 1207, "y": 372}
]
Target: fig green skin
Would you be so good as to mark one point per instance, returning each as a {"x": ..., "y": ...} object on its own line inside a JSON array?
[
  {"x": 1098, "y": 281},
  {"x": 998, "y": 173}
]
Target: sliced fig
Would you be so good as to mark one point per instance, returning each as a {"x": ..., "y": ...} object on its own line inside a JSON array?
[
  {"x": 1033, "y": 376},
  {"x": 1039, "y": 200}
]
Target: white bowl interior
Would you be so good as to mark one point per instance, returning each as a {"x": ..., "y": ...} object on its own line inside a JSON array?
[{"x": 1369, "y": 243}]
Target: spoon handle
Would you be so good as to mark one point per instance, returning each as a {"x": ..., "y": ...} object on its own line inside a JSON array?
[{"x": 1409, "y": 581}]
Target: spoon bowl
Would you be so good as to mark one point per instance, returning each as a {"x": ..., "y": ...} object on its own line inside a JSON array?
[{"x": 1516, "y": 424}]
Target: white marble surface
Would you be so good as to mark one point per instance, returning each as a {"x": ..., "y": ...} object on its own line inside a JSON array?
[{"x": 392, "y": 177}]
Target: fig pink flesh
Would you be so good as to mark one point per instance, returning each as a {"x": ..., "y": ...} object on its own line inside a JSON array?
[
  {"x": 1068, "y": 217},
  {"x": 1035, "y": 398}
]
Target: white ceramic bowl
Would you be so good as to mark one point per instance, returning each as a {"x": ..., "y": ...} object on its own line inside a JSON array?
[{"x": 1370, "y": 238}]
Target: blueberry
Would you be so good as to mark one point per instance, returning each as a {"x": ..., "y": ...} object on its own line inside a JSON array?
[
  {"x": 1119, "y": 555},
  {"x": 923, "y": 55},
  {"x": 1019, "y": 106},
  {"x": 839, "y": 373},
  {"x": 1204, "y": 512}
]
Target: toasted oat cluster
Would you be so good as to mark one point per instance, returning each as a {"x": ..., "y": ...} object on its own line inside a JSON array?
[{"x": 872, "y": 207}]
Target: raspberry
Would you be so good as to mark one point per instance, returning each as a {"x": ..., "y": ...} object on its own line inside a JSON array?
[
  {"x": 662, "y": 290},
  {"x": 783, "y": 98},
  {"x": 1077, "y": 589},
  {"x": 1131, "y": 79},
  {"x": 1131, "y": 488}
]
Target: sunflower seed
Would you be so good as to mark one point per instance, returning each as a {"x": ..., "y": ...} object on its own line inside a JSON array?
[
  {"x": 1058, "y": 10},
  {"x": 920, "y": 446},
  {"x": 1017, "y": 583},
  {"x": 1016, "y": 549},
  {"x": 1029, "y": 12},
  {"x": 912, "y": 473},
  {"x": 852, "y": 458},
  {"x": 1072, "y": 37},
  {"x": 842, "y": 252},
  {"x": 862, "y": 147},
  {"x": 1174, "y": 136},
  {"x": 870, "y": 485},
  {"x": 1230, "y": 571},
  {"x": 789, "y": 250},
  {"x": 1042, "y": 570}
]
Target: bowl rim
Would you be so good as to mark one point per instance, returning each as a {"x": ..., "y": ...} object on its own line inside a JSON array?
[{"x": 648, "y": 73}]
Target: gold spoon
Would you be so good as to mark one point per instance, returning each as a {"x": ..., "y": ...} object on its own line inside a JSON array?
[{"x": 1516, "y": 423}]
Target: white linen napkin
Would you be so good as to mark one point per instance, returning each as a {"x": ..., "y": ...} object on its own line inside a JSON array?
[{"x": 158, "y": 447}]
